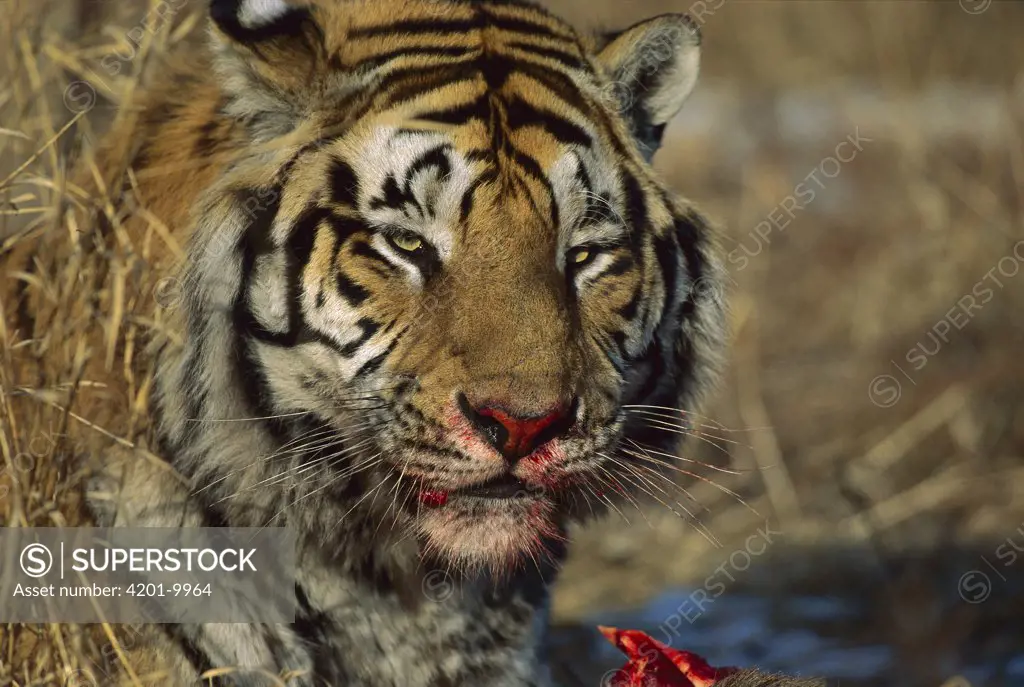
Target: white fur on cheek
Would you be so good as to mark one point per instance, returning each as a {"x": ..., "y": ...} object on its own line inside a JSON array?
[{"x": 254, "y": 14}]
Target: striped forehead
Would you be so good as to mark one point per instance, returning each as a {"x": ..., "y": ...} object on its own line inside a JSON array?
[
  {"x": 413, "y": 180},
  {"x": 422, "y": 181}
]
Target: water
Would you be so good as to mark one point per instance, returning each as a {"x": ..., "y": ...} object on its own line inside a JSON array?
[{"x": 832, "y": 635}]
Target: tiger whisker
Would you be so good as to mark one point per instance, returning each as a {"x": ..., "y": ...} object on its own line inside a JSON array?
[
  {"x": 308, "y": 442},
  {"x": 691, "y": 516},
  {"x": 586, "y": 500},
  {"x": 716, "y": 485},
  {"x": 673, "y": 412},
  {"x": 636, "y": 504},
  {"x": 324, "y": 439},
  {"x": 680, "y": 415},
  {"x": 247, "y": 419},
  {"x": 630, "y": 468},
  {"x": 602, "y": 201},
  {"x": 689, "y": 428},
  {"x": 370, "y": 462},
  {"x": 642, "y": 448},
  {"x": 656, "y": 424},
  {"x": 297, "y": 470},
  {"x": 717, "y": 468},
  {"x": 713, "y": 423},
  {"x": 357, "y": 503},
  {"x": 394, "y": 502},
  {"x": 369, "y": 395},
  {"x": 328, "y": 438},
  {"x": 602, "y": 497}
]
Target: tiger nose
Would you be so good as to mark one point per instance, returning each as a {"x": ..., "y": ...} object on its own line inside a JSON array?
[{"x": 517, "y": 435}]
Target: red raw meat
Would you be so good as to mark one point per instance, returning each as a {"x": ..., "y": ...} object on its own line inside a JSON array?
[{"x": 653, "y": 664}]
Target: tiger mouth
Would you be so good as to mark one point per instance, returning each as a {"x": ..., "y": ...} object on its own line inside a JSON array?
[{"x": 505, "y": 486}]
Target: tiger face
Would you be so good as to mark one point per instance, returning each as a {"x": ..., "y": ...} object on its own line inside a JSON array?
[{"x": 451, "y": 268}]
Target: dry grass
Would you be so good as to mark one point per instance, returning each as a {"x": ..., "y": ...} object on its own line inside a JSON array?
[
  {"x": 887, "y": 497},
  {"x": 49, "y": 401}
]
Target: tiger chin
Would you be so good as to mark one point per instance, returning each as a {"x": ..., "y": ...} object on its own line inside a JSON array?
[{"x": 429, "y": 276}]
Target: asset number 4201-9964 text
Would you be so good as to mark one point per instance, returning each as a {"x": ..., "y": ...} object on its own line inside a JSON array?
[{"x": 160, "y": 589}]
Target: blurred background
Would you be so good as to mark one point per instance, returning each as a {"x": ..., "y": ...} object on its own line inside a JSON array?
[
  {"x": 856, "y": 502},
  {"x": 865, "y": 161}
]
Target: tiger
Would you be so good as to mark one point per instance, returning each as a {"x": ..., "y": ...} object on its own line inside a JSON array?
[{"x": 397, "y": 275}]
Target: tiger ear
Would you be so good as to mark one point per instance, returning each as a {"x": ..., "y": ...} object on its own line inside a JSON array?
[
  {"x": 251, "y": 22},
  {"x": 266, "y": 53},
  {"x": 653, "y": 66}
]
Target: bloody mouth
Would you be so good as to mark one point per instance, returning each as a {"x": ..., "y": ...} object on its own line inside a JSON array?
[{"x": 505, "y": 486}]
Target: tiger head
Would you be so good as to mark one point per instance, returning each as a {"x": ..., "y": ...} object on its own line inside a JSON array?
[{"x": 443, "y": 270}]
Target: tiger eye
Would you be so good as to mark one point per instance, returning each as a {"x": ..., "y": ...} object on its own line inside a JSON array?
[
  {"x": 410, "y": 244},
  {"x": 581, "y": 256}
]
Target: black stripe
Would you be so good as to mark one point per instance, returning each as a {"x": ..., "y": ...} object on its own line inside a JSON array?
[
  {"x": 486, "y": 177},
  {"x": 213, "y": 516},
  {"x": 565, "y": 59},
  {"x": 344, "y": 185},
  {"x": 344, "y": 228},
  {"x": 688, "y": 236},
  {"x": 584, "y": 177},
  {"x": 604, "y": 343},
  {"x": 629, "y": 310},
  {"x": 298, "y": 251},
  {"x": 353, "y": 293},
  {"x": 374, "y": 363},
  {"x": 253, "y": 378},
  {"x": 480, "y": 155},
  {"x": 460, "y": 114},
  {"x": 621, "y": 265},
  {"x": 522, "y": 114},
  {"x": 562, "y": 86},
  {"x": 206, "y": 140},
  {"x": 369, "y": 328},
  {"x": 425, "y": 51},
  {"x": 657, "y": 377},
  {"x": 530, "y": 28},
  {"x": 619, "y": 337},
  {"x": 365, "y": 250},
  {"x": 261, "y": 207},
  {"x": 523, "y": 187},
  {"x": 434, "y": 157},
  {"x": 403, "y": 85},
  {"x": 415, "y": 26},
  {"x": 667, "y": 253},
  {"x": 599, "y": 213},
  {"x": 314, "y": 629},
  {"x": 394, "y": 196},
  {"x": 636, "y": 209},
  {"x": 533, "y": 168},
  {"x": 196, "y": 657},
  {"x": 252, "y": 243},
  {"x": 496, "y": 69},
  {"x": 638, "y": 220}
]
